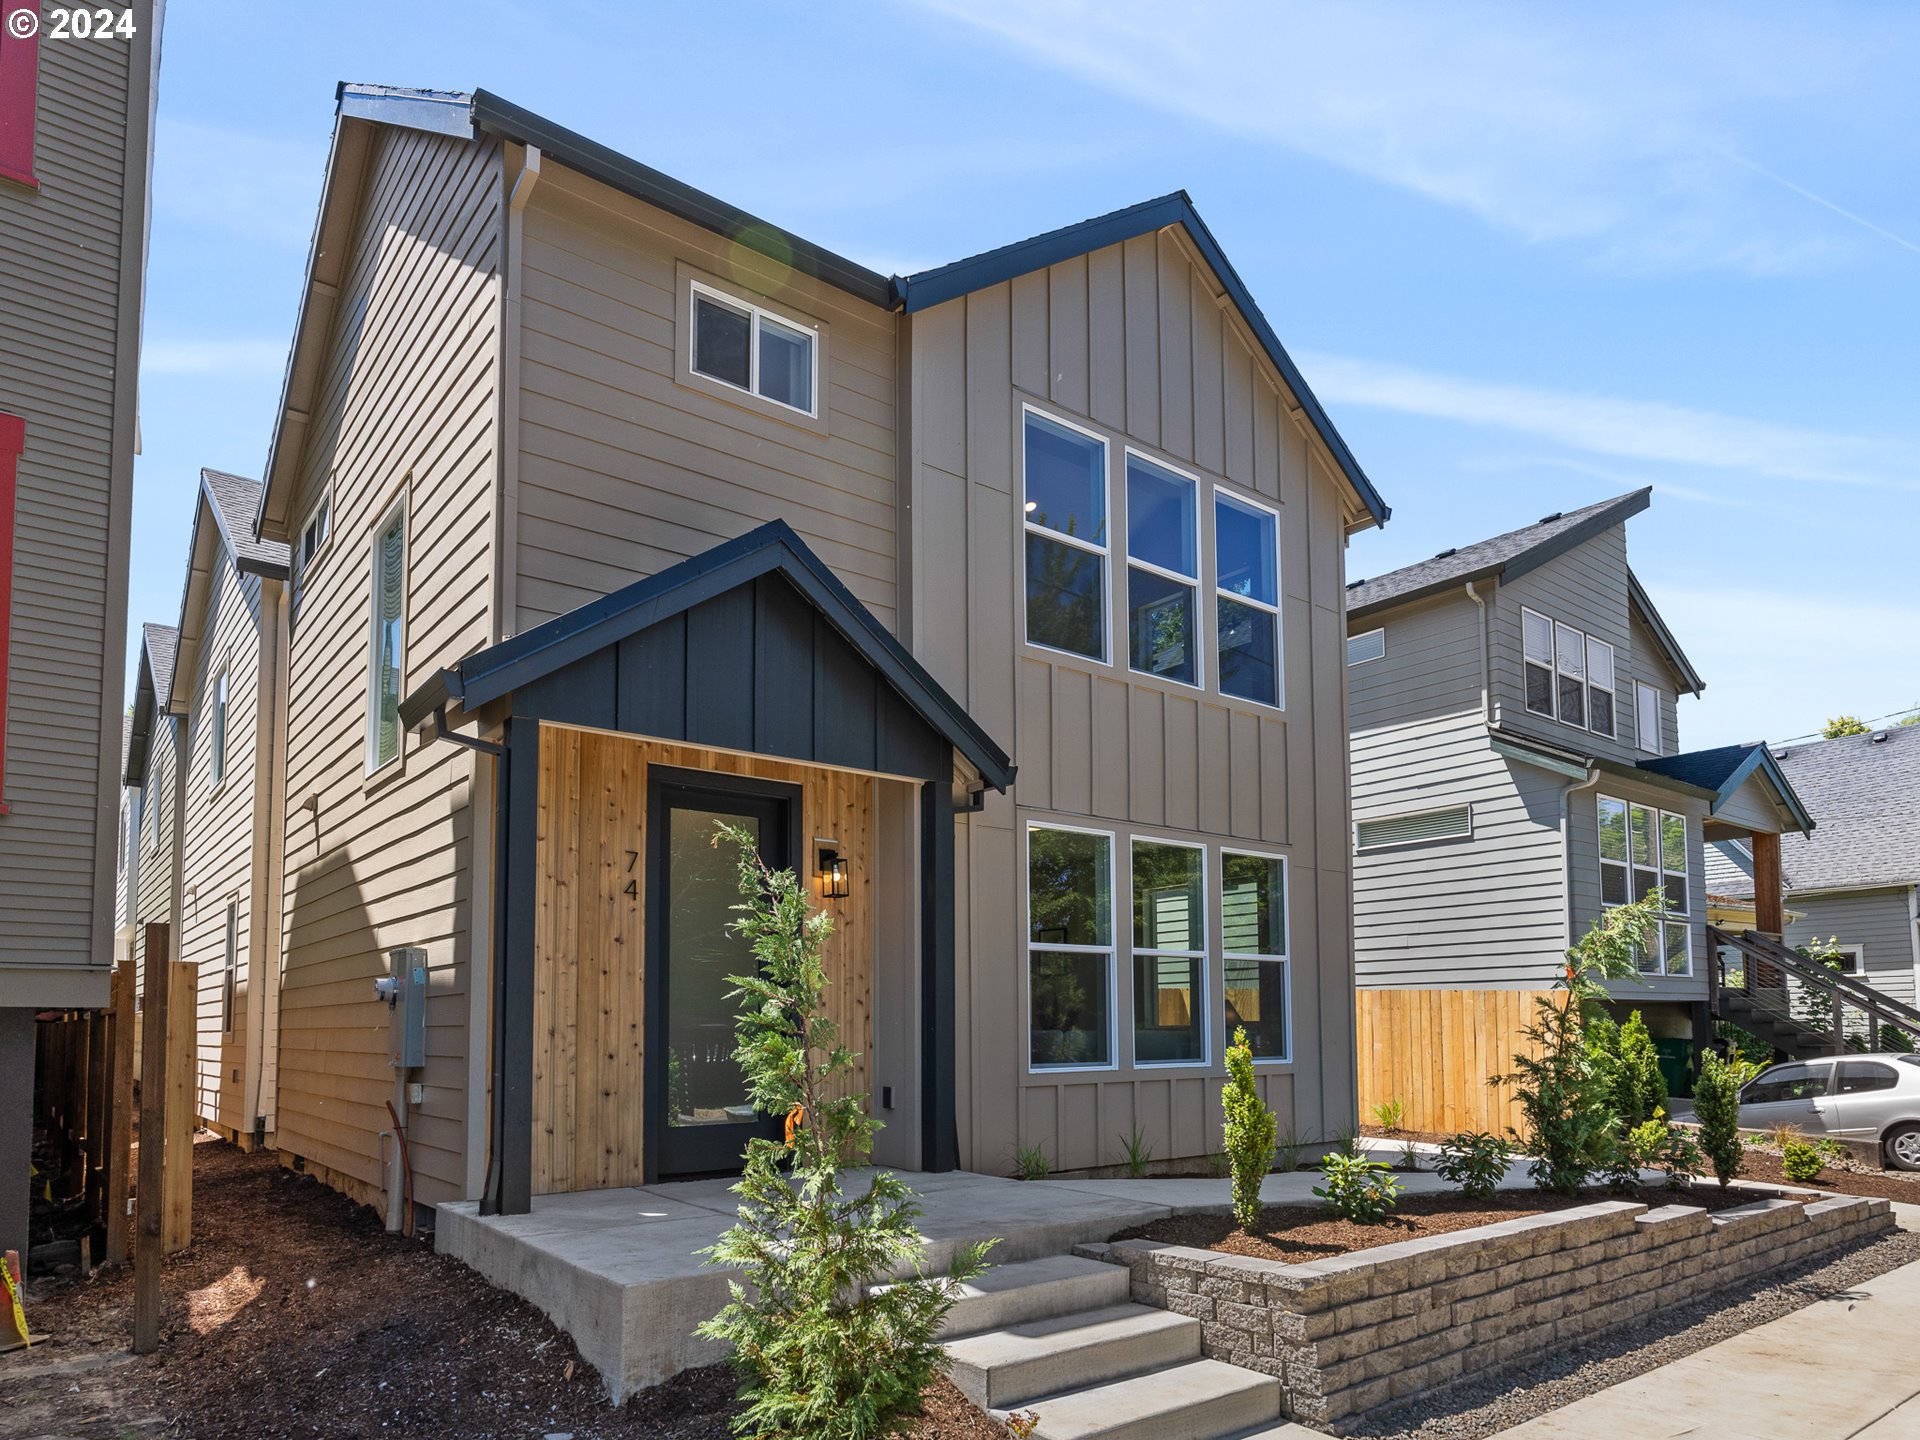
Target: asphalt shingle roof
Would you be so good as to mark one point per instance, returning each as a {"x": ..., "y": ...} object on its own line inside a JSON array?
[
  {"x": 236, "y": 500},
  {"x": 162, "y": 642}
]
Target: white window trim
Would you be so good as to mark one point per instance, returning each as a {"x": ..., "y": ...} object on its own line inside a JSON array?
[
  {"x": 371, "y": 742},
  {"x": 1859, "y": 954},
  {"x": 1285, "y": 961},
  {"x": 1466, "y": 834},
  {"x": 1202, "y": 990},
  {"x": 1379, "y": 630},
  {"x": 1105, "y": 552},
  {"x": 754, "y": 313},
  {"x": 1235, "y": 497},
  {"x": 229, "y": 966},
  {"x": 1686, "y": 918},
  {"x": 300, "y": 567},
  {"x": 1194, "y": 583},
  {"x": 1640, "y": 688},
  {"x": 1587, "y": 641},
  {"x": 1611, "y": 690},
  {"x": 221, "y": 697},
  {"x": 1111, "y": 951}
]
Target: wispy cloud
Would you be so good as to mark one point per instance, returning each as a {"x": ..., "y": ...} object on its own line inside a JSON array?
[
  {"x": 1609, "y": 127},
  {"x": 1646, "y": 430},
  {"x": 255, "y": 358},
  {"x": 1622, "y": 479}
]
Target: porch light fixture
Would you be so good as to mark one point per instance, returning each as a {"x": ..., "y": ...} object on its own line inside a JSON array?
[{"x": 833, "y": 869}]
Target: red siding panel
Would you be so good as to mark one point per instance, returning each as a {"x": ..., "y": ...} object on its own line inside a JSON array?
[
  {"x": 13, "y": 439},
  {"x": 19, "y": 84}
]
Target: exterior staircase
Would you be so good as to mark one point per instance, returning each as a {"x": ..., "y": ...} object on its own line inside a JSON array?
[
  {"x": 1060, "y": 1339},
  {"x": 1798, "y": 1005}
]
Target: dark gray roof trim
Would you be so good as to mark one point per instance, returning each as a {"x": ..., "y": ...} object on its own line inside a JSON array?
[
  {"x": 1676, "y": 657},
  {"x": 150, "y": 697},
  {"x": 235, "y": 502},
  {"x": 489, "y": 674},
  {"x": 1725, "y": 768},
  {"x": 992, "y": 267},
  {"x": 1505, "y": 557}
]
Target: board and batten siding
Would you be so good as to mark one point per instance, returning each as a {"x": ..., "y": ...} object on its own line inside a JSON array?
[
  {"x": 1587, "y": 589},
  {"x": 71, "y": 255},
  {"x": 1131, "y": 341},
  {"x": 406, "y": 414},
  {"x": 1487, "y": 911},
  {"x": 1880, "y": 922},
  {"x": 623, "y": 470}
]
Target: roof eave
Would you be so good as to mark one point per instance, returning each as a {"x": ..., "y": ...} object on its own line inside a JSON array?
[
  {"x": 1676, "y": 657},
  {"x": 1425, "y": 592}
]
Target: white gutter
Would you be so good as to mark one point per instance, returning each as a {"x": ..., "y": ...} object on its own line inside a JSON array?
[{"x": 1486, "y": 658}]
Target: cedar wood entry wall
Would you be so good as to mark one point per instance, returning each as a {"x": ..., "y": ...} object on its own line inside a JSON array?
[
  {"x": 590, "y": 939},
  {"x": 1433, "y": 1050}
]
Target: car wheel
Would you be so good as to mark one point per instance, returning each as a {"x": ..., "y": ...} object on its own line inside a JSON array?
[{"x": 1903, "y": 1147}]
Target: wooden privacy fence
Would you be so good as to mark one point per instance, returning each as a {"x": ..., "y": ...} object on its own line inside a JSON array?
[
  {"x": 84, "y": 1079},
  {"x": 1433, "y": 1050}
]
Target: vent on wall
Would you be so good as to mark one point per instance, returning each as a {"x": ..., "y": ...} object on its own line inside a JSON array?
[
  {"x": 1453, "y": 823},
  {"x": 1370, "y": 646}
]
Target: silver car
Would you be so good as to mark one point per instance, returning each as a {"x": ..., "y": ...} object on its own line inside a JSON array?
[{"x": 1850, "y": 1097}]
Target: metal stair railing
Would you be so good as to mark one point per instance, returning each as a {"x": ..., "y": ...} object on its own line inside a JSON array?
[{"x": 1803, "y": 996}]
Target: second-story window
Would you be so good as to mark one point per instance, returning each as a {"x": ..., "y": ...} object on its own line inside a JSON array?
[
  {"x": 1568, "y": 673},
  {"x": 1246, "y": 544},
  {"x": 752, "y": 349},
  {"x": 1066, "y": 538},
  {"x": 1646, "y": 718},
  {"x": 385, "y": 660},
  {"x": 217, "y": 717},
  {"x": 1163, "y": 571}
]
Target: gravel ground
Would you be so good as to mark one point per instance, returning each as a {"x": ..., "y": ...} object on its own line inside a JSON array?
[{"x": 1490, "y": 1403}]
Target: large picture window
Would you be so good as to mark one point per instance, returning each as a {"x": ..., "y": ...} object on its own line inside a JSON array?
[
  {"x": 1169, "y": 953},
  {"x": 1066, "y": 538},
  {"x": 1643, "y": 849},
  {"x": 1069, "y": 948},
  {"x": 1246, "y": 543},
  {"x": 1253, "y": 934},
  {"x": 387, "y": 648},
  {"x": 1163, "y": 571}
]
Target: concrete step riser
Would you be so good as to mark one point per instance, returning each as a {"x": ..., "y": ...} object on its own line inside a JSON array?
[
  {"x": 1113, "y": 1344},
  {"x": 1063, "y": 1294},
  {"x": 1202, "y": 1400}
]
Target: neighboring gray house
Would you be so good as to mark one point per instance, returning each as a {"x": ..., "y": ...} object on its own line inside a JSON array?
[
  {"x": 1856, "y": 879},
  {"x": 1516, "y": 768}
]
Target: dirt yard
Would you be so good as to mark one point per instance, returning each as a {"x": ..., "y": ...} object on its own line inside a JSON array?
[{"x": 295, "y": 1314}]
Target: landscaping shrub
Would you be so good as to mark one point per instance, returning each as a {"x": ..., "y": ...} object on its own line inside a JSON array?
[
  {"x": 821, "y": 1352},
  {"x": 1658, "y": 1144},
  {"x": 1030, "y": 1163},
  {"x": 1566, "y": 1097},
  {"x": 1801, "y": 1162},
  {"x": 1362, "y": 1191},
  {"x": 1475, "y": 1161},
  {"x": 1250, "y": 1131},
  {"x": 1639, "y": 1089},
  {"x": 1139, "y": 1152},
  {"x": 1716, "y": 1104},
  {"x": 1388, "y": 1114}
]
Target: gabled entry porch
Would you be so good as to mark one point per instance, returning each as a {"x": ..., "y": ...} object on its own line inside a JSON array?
[{"x": 745, "y": 686}]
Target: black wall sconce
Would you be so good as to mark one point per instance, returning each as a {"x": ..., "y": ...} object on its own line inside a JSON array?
[{"x": 833, "y": 869}]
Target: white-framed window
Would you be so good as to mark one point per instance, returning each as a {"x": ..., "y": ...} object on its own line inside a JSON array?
[
  {"x": 147, "y": 798},
  {"x": 386, "y": 649},
  {"x": 749, "y": 348},
  {"x": 1646, "y": 717},
  {"x": 1600, "y": 687},
  {"x": 217, "y": 729},
  {"x": 1163, "y": 571},
  {"x": 1065, "y": 522},
  {"x": 1368, "y": 645},
  {"x": 1169, "y": 952},
  {"x": 1254, "y": 953},
  {"x": 1568, "y": 674},
  {"x": 1643, "y": 849},
  {"x": 1246, "y": 548},
  {"x": 1451, "y": 822},
  {"x": 1070, "y": 949},
  {"x": 314, "y": 535},
  {"x": 1853, "y": 959},
  {"x": 230, "y": 968}
]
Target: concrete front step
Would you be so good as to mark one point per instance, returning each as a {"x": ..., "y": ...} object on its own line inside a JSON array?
[
  {"x": 1034, "y": 1290},
  {"x": 1001, "y": 1369},
  {"x": 1200, "y": 1400}
]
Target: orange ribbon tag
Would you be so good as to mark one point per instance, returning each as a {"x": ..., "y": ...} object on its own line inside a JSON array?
[{"x": 796, "y": 1117}]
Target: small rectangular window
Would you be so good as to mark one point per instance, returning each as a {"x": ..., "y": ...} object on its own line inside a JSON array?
[
  {"x": 1369, "y": 645},
  {"x": 739, "y": 344},
  {"x": 230, "y": 970},
  {"x": 386, "y": 659},
  {"x": 1537, "y": 644},
  {"x": 1646, "y": 720},
  {"x": 1246, "y": 545},
  {"x": 217, "y": 716},
  {"x": 1570, "y": 660},
  {"x": 1253, "y": 942},
  {"x": 1069, "y": 948},
  {"x": 1169, "y": 953},
  {"x": 1599, "y": 686},
  {"x": 1163, "y": 571},
  {"x": 1066, "y": 537},
  {"x": 313, "y": 537},
  {"x": 1453, "y": 823}
]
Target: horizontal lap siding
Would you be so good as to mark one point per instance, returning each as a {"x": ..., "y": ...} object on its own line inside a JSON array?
[
  {"x": 60, "y": 314},
  {"x": 1876, "y": 920},
  {"x": 1129, "y": 339},
  {"x": 406, "y": 407},
  {"x": 623, "y": 471}
]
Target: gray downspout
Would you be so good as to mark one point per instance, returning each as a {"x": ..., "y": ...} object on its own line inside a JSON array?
[{"x": 1566, "y": 838}]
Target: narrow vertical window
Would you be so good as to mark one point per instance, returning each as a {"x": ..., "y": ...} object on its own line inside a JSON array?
[
  {"x": 313, "y": 538},
  {"x": 1069, "y": 948},
  {"x": 230, "y": 969},
  {"x": 1537, "y": 643},
  {"x": 1163, "y": 571},
  {"x": 217, "y": 718},
  {"x": 1253, "y": 942},
  {"x": 388, "y": 648},
  {"x": 1066, "y": 538},
  {"x": 1599, "y": 686},
  {"x": 1614, "y": 883},
  {"x": 1646, "y": 720},
  {"x": 1169, "y": 953},
  {"x": 1570, "y": 660},
  {"x": 1246, "y": 543}
]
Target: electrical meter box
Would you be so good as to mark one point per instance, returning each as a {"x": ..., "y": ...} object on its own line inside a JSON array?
[{"x": 408, "y": 1047}]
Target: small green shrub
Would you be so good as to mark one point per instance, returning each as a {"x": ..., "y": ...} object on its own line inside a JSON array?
[
  {"x": 1639, "y": 1089},
  {"x": 1250, "y": 1131},
  {"x": 1363, "y": 1191},
  {"x": 1139, "y": 1152},
  {"x": 1346, "y": 1141},
  {"x": 1388, "y": 1114},
  {"x": 1833, "y": 1150},
  {"x": 1801, "y": 1162},
  {"x": 1410, "y": 1157},
  {"x": 1658, "y": 1144},
  {"x": 1716, "y": 1103},
  {"x": 1286, "y": 1152},
  {"x": 1475, "y": 1161},
  {"x": 1030, "y": 1163}
]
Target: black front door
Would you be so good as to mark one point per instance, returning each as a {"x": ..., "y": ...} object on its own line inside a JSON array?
[{"x": 698, "y": 1115}]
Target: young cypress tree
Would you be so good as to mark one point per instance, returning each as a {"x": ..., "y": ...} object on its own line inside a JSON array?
[{"x": 1250, "y": 1131}]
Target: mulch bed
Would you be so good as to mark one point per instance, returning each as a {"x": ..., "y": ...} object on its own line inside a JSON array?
[
  {"x": 1901, "y": 1185},
  {"x": 295, "y": 1314},
  {"x": 1295, "y": 1234}
]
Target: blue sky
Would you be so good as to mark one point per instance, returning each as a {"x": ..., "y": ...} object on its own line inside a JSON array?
[{"x": 1528, "y": 256}]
